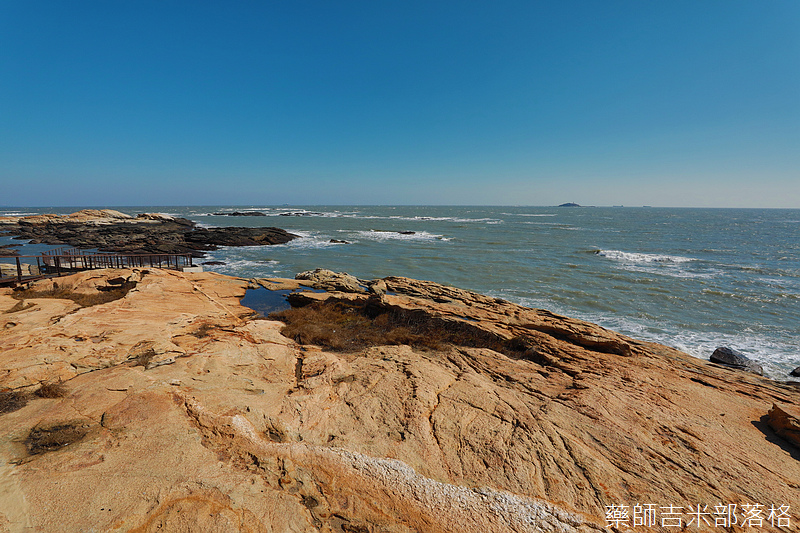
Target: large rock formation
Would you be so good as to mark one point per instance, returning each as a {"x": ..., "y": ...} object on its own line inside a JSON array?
[
  {"x": 151, "y": 400},
  {"x": 148, "y": 233}
]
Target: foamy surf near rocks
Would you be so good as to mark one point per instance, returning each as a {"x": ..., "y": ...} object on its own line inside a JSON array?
[{"x": 452, "y": 412}]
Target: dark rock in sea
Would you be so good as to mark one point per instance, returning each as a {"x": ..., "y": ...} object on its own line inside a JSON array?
[
  {"x": 730, "y": 357},
  {"x": 795, "y": 372},
  {"x": 243, "y": 214},
  {"x": 8, "y": 250},
  {"x": 151, "y": 235},
  {"x": 392, "y": 231},
  {"x": 569, "y": 204},
  {"x": 301, "y": 214},
  {"x": 214, "y": 262},
  {"x": 337, "y": 241}
]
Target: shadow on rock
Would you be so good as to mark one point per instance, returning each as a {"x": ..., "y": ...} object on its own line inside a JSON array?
[{"x": 762, "y": 424}]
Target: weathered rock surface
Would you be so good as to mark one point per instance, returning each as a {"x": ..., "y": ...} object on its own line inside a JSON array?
[
  {"x": 147, "y": 233},
  {"x": 85, "y": 216},
  {"x": 242, "y": 429},
  {"x": 786, "y": 423},
  {"x": 734, "y": 359},
  {"x": 328, "y": 280},
  {"x": 8, "y": 250}
]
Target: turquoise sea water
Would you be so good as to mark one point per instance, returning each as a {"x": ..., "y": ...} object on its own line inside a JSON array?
[{"x": 694, "y": 279}]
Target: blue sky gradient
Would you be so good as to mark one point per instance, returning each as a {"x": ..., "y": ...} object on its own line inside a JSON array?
[{"x": 679, "y": 103}]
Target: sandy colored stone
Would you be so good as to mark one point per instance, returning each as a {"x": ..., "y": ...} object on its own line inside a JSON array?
[
  {"x": 328, "y": 280},
  {"x": 786, "y": 423},
  {"x": 244, "y": 430}
]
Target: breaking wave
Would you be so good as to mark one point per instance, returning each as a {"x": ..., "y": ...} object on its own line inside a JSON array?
[
  {"x": 380, "y": 235},
  {"x": 633, "y": 257}
]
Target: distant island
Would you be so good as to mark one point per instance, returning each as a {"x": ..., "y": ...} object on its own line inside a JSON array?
[{"x": 569, "y": 204}]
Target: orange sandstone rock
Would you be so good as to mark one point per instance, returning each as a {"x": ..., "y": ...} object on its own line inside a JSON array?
[{"x": 243, "y": 429}]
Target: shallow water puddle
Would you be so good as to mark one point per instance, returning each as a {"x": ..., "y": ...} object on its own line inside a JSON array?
[{"x": 266, "y": 301}]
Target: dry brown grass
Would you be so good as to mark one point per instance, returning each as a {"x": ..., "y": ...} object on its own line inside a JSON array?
[
  {"x": 12, "y": 400},
  {"x": 203, "y": 331},
  {"x": 345, "y": 326},
  {"x": 142, "y": 353},
  {"x": 51, "y": 390},
  {"x": 52, "y": 438},
  {"x": 102, "y": 296}
]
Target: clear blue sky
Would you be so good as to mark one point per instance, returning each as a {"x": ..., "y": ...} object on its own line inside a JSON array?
[{"x": 663, "y": 103}]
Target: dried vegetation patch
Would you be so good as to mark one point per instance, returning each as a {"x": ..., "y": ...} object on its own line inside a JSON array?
[
  {"x": 102, "y": 296},
  {"x": 11, "y": 401},
  {"x": 348, "y": 326},
  {"x": 52, "y": 438},
  {"x": 51, "y": 390}
]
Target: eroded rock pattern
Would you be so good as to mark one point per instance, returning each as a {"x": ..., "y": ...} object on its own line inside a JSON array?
[{"x": 178, "y": 409}]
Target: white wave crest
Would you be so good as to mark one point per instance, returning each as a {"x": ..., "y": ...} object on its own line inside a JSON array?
[
  {"x": 310, "y": 240},
  {"x": 424, "y": 218},
  {"x": 633, "y": 257},
  {"x": 376, "y": 235}
]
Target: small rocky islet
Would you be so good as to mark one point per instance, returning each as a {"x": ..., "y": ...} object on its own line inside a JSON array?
[{"x": 152, "y": 400}]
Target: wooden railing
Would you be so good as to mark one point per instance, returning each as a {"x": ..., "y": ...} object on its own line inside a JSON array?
[{"x": 62, "y": 262}]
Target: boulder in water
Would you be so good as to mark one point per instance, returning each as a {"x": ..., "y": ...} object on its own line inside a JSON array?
[{"x": 734, "y": 359}]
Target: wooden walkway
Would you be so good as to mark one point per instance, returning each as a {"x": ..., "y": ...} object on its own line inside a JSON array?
[{"x": 22, "y": 268}]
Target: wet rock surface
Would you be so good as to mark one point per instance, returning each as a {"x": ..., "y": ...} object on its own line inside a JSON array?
[
  {"x": 179, "y": 409},
  {"x": 734, "y": 359},
  {"x": 148, "y": 233}
]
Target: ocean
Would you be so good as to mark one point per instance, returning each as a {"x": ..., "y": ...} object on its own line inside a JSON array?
[{"x": 693, "y": 279}]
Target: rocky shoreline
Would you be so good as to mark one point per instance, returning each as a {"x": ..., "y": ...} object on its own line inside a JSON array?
[
  {"x": 149, "y": 233},
  {"x": 152, "y": 400}
]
